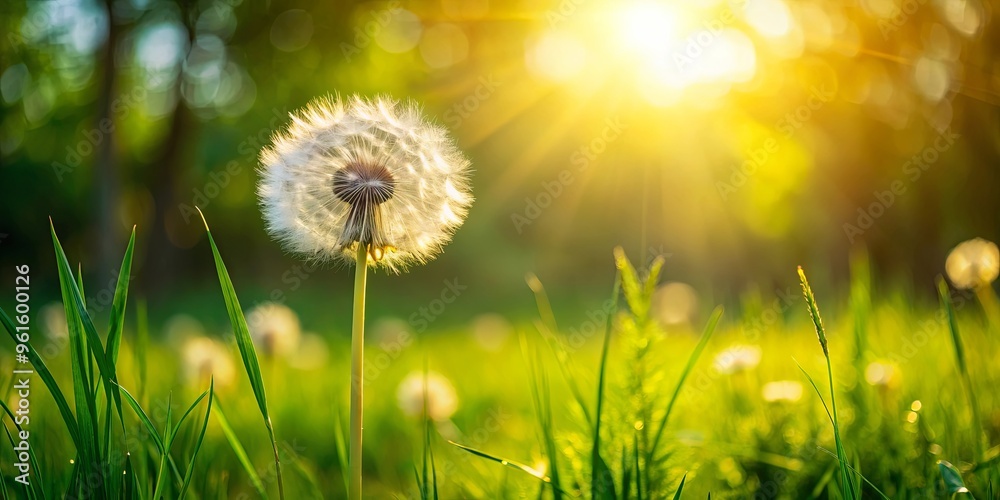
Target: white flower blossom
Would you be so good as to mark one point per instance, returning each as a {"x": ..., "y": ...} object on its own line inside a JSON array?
[
  {"x": 973, "y": 264},
  {"x": 364, "y": 171},
  {"x": 441, "y": 399}
]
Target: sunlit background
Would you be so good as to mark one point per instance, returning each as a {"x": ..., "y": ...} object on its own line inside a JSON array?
[
  {"x": 734, "y": 139},
  {"x": 737, "y": 138}
]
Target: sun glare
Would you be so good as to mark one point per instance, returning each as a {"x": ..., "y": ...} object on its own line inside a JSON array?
[
  {"x": 647, "y": 28},
  {"x": 665, "y": 51}
]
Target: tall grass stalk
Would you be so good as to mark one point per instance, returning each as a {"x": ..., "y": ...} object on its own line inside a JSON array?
[
  {"x": 601, "y": 482},
  {"x": 963, "y": 368},
  {"x": 847, "y": 485},
  {"x": 357, "y": 370},
  {"x": 247, "y": 351}
]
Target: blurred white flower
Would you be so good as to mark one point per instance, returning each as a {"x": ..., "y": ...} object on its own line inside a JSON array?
[
  {"x": 782, "y": 390},
  {"x": 204, "y": 358},
  {"x": 675, "y": 303},
  {"x": 491, "y": 330},
  {"x": 313, "y": 352},
  {"x": 368, "y": 171},
  {"x": 181, "y": 327},
  {"x": 274, "y": 328},
  {"x": 737, "y": 358},
  {"x": 389, "y": 330},
  {"x": 441, "y": 398},
  {"x": 53, "y": 319},
  {"x": 973, "y": 264},
  {"x": 882, "y": 374}
]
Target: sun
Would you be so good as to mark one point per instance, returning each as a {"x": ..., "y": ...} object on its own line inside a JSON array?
[{"x": 647, "y": 29}]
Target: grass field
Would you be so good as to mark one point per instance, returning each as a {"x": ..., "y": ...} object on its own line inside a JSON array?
[{"x": 606, "y": 403}]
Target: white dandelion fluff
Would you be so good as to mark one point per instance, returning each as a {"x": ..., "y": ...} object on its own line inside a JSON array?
[
  {"x": 440, "y": 396},
  {"x": 737, "y": 358},
  {"x": 782, "y": 391},
  {"x": 973, "y": 264},
  {"x": 204, "y": 358},
  {"x": 275, "y": 328},
  {"x": 364, "y": 171}
]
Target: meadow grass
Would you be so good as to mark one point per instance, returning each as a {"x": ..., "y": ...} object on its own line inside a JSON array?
[{"x": 632, "y": 411}]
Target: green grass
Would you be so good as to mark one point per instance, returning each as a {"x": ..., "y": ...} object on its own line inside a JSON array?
[{"x": 633, "y": 411}]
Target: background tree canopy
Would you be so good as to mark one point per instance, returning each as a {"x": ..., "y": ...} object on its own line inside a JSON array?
[{"x": 743, "y": 138}]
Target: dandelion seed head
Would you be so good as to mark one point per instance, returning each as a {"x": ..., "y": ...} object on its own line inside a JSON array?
[
  {"x": 782, "y": 390},
  {"x": 441, "y": 398},
  {"x": 203, "y": 359},
  {"x": 882, "y": 374},
  {"x": 275, "y": 328},
  {"x": 972, "y": 264},
  {"x": 53, "y": 319},
  {"x": 737, "y": 358},
  {"x": 359, "y": 171}
]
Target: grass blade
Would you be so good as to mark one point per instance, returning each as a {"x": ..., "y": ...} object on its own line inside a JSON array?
[
  {"x": 848, "y": 486},
  {"x": 952, "y": 478},
  {"x": 963, "y": 368},
  {"x": 680, "y": 488},
  {"x": 245, "y": 344},
  {"x": 341, "y": 443},
  {"x": 201, "y": 438},
  {"x": 50, "y": 382},
  {"x": 241, "y": 453},
  {"x": 601, "y": 481},
  {"x": 510, "y": 463},
  {"x": 706, "y": 335},
  {"x": 144, "y": 419},
  {"x": 38, "y": 485},
  {"x": 119, "y": 301},
  {"x": 79, "y": 319}
]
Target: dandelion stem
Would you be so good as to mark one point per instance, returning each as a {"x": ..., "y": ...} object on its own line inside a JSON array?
[{"x": 357, "y": 370}]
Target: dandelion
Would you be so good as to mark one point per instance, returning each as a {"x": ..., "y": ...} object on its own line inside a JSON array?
[
  {"x": 368, "y": 182},
  {"x": 312, "y": 353},
  {"x": 675, "y": 303},
  {"x": 364, "y": 173},
  {"x": 53, "y": 319},
  {"x": 390, "y": 330},
  {"x": 737, "y": 358},
  {"x": 275, "y": 328},
  {"x": 440, "y": 396},
  {"x": 491, "y": 331},
  {"x": 973, "y": 264},
  {"x": 179, "y": 328},
  {"x": 788, "y": 391},
  {"x": 882, "y": 374},
  {"x": 204, "y": 358}
]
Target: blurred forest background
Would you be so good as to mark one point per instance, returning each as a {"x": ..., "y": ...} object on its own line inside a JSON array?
[{"x": 738, "y": 139}]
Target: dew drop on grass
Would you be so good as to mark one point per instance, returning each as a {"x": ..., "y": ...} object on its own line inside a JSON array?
[{"x": 916, "y": 405}]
